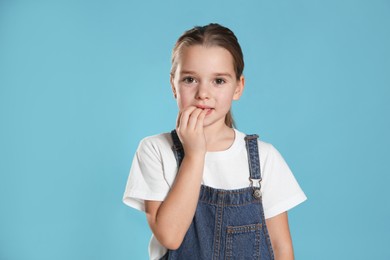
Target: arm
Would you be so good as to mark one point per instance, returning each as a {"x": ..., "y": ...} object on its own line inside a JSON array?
[
  {"x": 279, "y": 233},
  {"x": 169, "y": 220}
]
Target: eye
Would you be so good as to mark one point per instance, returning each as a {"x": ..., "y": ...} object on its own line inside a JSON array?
[
  {"x": 188, "y": 80},
  {"x": 219, "y": 81}
]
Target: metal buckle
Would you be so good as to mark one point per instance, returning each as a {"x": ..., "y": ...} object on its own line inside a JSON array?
[{"x": 256, "y": 189}]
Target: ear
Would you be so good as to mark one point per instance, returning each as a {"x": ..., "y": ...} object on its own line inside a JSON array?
[
  {"x": 239, "y": 88},
  {"x": 172, "y": 86}
]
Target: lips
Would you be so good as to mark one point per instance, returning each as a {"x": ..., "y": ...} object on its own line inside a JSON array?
[{"x": 203, "y": 107}]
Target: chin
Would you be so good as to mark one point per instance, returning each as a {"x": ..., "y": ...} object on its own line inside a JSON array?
[{"x": 210, "y": 122}]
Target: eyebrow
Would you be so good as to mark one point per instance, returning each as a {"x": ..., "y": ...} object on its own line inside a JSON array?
[
  {"x": 218, "y": 74},
  {"x": 224, "y": 75},
  {"x": 187, "y": 72}
]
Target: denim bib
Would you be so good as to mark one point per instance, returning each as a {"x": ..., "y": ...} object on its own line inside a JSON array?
[{"x": 228, "y": 224}]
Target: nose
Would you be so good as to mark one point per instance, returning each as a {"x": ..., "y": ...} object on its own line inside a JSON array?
[{"x": 203, "y": 92}]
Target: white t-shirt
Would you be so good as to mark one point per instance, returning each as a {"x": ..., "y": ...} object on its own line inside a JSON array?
[{"x": 154, "y": 169}]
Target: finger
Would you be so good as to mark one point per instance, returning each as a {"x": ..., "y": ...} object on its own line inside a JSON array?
[
  {"x": 185, "y": 114},
  {"x": 201, "y": 117},
  {"x": 193, "y": 119}
]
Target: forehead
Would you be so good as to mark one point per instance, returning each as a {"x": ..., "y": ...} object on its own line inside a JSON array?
[{"x": 205, "y": 59}]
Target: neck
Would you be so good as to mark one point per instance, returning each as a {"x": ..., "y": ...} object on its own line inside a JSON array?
[{"x": 218, "y": 137}]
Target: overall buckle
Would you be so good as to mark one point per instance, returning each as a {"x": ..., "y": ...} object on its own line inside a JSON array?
[{"x": 256, "y": 185}]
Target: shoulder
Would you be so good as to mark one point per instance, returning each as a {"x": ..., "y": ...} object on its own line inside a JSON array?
[
  {"x": 265, "y": 148},
  {"x": 155, "y": 146},
  {"x": 158, "y": 141}
]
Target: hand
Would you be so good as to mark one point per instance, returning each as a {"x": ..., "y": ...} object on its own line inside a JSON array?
[
  {"x": 190, "y": 130},
  {"x": 182, "y": 199}
]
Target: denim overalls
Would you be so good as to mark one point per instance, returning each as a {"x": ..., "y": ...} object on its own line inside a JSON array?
[{"x": 228, "y": 224}]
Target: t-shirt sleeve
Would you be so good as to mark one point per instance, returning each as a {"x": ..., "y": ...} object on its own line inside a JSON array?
[
  {"x": 281, "y": 191},
  {"x": 146, "y": 178}
]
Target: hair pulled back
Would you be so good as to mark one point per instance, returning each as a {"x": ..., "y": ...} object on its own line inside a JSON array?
[{"x": 211, "y": 35}]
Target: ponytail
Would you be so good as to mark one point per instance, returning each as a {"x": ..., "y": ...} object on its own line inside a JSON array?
[{"x": 229, "y": 121}]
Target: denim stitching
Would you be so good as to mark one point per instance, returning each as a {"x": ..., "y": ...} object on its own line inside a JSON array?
[
  {"x": 218, "y": 219},
  {"x": 236, "y": 230},
  {"x": 253, "y": 156},
  {"x": 220, "y": 199}
]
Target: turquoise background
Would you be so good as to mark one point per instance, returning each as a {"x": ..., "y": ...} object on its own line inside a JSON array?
[{"x": 81, "y": 82}]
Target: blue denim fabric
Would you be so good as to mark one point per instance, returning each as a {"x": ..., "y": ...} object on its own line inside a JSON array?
[
  {"x": 253, "y": 154},
  {"x": 228, "y": 224}
]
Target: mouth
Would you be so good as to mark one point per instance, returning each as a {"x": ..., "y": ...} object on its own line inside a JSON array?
[
  {"x": 203, "y": 107},
  {"x": 209, "y": 109}
]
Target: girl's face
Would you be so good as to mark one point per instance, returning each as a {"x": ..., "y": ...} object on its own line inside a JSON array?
[{"x": 205, "y": 78}]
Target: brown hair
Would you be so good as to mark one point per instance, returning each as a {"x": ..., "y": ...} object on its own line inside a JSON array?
[{"x": 212, "y": 35}]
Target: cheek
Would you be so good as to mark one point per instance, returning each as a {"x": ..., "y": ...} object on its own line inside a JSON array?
[
  {"x": 184, "y": 99},
  {"x": 225, "y": 98}
]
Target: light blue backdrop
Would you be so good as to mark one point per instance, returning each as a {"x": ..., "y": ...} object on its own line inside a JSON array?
[{"x": 81, "y": 82}]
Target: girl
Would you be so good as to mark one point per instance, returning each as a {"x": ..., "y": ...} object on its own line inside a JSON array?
[{"x": 208, "y": 190}]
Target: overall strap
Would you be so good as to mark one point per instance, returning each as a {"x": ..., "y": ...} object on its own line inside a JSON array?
[
  {"x": 253, "y": 158},
  {"x": 177, "y": 147}
]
